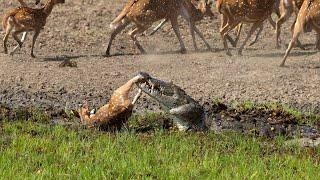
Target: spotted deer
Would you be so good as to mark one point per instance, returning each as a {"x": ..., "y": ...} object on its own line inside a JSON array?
[
  {"x": 275, "y": 10},
  {"x": 25, "y": 19},
  {"x": 143, "y": 13},
  {"x": 199, "y": 10},
  {"x": 116, "y": 112},
  {"x": 24, "y": 34},
  {"x": 308, "y": 17},
  {"x": 284, "y": 10},
  {"x": 234, "y": 12}
]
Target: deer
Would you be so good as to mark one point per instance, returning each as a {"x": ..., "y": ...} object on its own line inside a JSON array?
[
  {"x": 24, "y": 34},
  {"x": 275, "y": 10},
  {"x": 25, "y": 19},
  {"x": 117, "y": 111},
  {"x": 284, "y": 10},
  {"x": 308, "y": 15},
  {"x": 235, "y": 12},
  {"x": 198, "y": 12},
  {"x": 143, "y": 13}
]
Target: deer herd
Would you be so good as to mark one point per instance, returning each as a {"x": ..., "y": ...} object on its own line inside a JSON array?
[{"x": 144, "y": 13}]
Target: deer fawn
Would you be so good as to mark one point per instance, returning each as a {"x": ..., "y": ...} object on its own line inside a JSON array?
[
  {"x": 235, "y": 12},
  {"x": 116, "y": 112},
  {"x": 308, "y": 15},
  {"x": 145, "y": 12},
  {"x": 25, "y": 19}
]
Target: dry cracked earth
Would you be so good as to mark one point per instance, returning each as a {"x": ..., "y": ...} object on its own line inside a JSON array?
[{"x": 79, "y": 31}]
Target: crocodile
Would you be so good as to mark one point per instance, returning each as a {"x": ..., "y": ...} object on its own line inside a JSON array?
[{"x": 186, "y": 113}]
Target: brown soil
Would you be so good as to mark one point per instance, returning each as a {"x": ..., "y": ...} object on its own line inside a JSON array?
[{"x": 79, "y": 32}]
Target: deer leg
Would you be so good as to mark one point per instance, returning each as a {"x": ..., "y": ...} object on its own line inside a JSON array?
[
  {"x": 271, "y": 21},
  {"x": 298, "y": 43},
  {"x": 136, "y": 97},
  {"x": 224, "y": 32},
  {"x": 252, "y": 30},
  {"x": 223, "y": 23},
  {"x": 23, "y": 38},
  {"x": 15, "y": 37},
  {"x": 133, "y": 34},
  {"x": 6, "y": 36},
  {"x": 159, "y": 26},
  {"x": 192, "y": 27},
  {"x": 257, "y": 35},
  {"x": 202, "y": 37},
  {"x": 114, "y": 33},
  {"x": 296, "y": 32},
  {"x": 318, "y": 41},
  {"x": 35, "y": 36},
  {"x": 239, "y": 27},
  {"x": 176, "y": 30},
  {"x": 284, "y": 17},
  {"x": 317, "y": 29}
]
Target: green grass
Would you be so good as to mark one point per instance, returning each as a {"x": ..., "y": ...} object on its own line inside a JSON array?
[{"x": 37, "y": 150}]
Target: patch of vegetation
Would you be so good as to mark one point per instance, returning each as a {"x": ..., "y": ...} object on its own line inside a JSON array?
[
  {"x": 25, "y": 114},
  {"x": 150, "y": 121},
  {"x": 36, "y": 150},
  {"x": 276, "y": 109}
]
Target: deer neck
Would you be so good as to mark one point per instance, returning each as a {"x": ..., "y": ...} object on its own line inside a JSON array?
[{"x": 126, "y": 88}]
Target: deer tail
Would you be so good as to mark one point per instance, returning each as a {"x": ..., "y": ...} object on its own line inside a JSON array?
[{"x": 123, "y": 14}]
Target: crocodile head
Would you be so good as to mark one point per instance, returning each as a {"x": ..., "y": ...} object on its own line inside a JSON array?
[
  {"x": 166, "y": 93},
  {"x": 186, "y": 111}
]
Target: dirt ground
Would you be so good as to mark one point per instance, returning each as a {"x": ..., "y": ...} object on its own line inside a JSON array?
[{"x": 80, "y": 32}]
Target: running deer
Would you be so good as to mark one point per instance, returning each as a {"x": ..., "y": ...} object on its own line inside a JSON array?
[
  {"x": 143, "y": 13},
  {"x": 199, "y": 10},
  {"x": 284, "y": 10},
  {"x": 25, "y": 19},
  {"x": 242, "y": 11},
  {"x": 24, "y": 34},
  {"x": 275, "y": 10},
  {"x": 308, "y": 17}
]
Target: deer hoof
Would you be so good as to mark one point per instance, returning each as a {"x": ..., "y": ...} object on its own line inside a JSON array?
[
  {"x": 143, "y": 51},
  {"x": 183, "y": 51},
  {"x": 33, "y": 56},
  {"x": 282, "y": 64},
  {"x": 107, "y": 54},
  {"x": 229, "y": 53}
]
